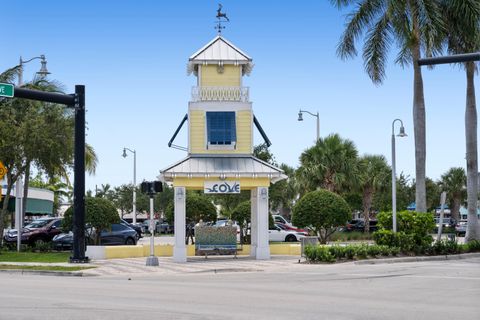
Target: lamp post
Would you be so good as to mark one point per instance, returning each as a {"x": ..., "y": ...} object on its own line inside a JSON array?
[
  {"x": 394, "y": 177},
  {"x": 300, "y": 118},
  {"x": 42, "y": 72},
  {"x": 134, "y": 213}
]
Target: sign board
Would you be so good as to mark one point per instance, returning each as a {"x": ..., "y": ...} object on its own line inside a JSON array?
[
  {"x": 6, "y": 90},
  {"x": 221, "y": 187},
  {"x": 3, "y": 170}
]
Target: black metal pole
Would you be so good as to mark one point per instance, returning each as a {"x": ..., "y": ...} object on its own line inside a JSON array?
[
  {"x": 466, "y": 57},
  {"x": 79, "y": 179}
]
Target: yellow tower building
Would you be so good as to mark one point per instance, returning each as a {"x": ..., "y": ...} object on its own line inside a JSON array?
[{"x": 220, "y": 142}]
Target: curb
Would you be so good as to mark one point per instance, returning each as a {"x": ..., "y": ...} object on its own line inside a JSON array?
[
  {"x": 46, "y": 273},
  {"x": 418, "y": 259}
]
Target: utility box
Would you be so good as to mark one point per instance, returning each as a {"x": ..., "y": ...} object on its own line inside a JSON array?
[{"x": 313, "y": 241}]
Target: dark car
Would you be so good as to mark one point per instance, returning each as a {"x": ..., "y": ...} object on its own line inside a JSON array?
[
  {"x": 164, "y": 227},
  {"x": 134, "y": 227},
  {"x": 36, "y": 232},
  {"x": 119, "y": 234},
  {"x": 359, "y": 225}
]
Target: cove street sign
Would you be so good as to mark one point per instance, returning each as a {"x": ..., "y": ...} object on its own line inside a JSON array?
[
  {"x": 219, "y": 187},
  {"x": 6, "y": 90}
]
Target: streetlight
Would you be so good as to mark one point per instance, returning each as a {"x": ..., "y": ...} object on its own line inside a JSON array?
[
  {"x": 42, "y": 72},
  {"x": 134, "y": 213},
  {"x": 394, "y": 177},
  {"x": 300, "y": 118}
]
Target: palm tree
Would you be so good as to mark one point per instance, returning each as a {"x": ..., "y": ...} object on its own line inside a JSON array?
[
  {"x": 373, "y": 177},
  {"x": 463, "y": 36},
  {"x": 412, "y": 25},
  {"x": 330, "y": 164},
  {"x": 453, "y": 182}
]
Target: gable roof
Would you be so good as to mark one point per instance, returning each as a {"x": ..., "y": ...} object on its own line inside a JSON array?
[{"x": 220, "y": 51}]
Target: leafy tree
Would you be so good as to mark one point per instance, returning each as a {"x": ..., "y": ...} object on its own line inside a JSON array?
[
  {"x": 100, "y": 213},
  {"x": 373, "y": 176},
  {"x": 330, "y": 164},
  {"x": 242, "y": 214},
  {"x": 198, "y": 207},
  {"x": 322, "y": 211},
  {"x": 413, "y": 26},
  {"x": 382, "y": 201},
  {"x": 60, "y": 189},
  {"x": 453, "y": 182},
  {"x": 462, "y": 36}
]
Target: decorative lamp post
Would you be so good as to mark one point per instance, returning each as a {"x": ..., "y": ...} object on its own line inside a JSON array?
[
  {"x": 300, "y": 118},
  {"x": 42, "y": 72},
  {"x": 394, "y": 177},
  {"x": 134, "y": 212}
]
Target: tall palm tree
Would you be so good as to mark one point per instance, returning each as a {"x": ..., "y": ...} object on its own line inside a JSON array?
[
  {"x": 453, "y": 182},
  {"x": 330, "y": 164},
  {"x": 463, "y": 36},
  {"x": 374, "y": 175},
  {"x": 412, "y": 25}
]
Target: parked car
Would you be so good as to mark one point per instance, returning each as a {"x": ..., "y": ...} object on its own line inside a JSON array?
[
  {"x": 359, "y": 225},
  {"x": 447, "y": 223},
  {"x": 164, "y": 227},
  {"x": 36, "y": 232},
  {"x": 134, "y": 227},
  {"x": 287, "y": 227},
  {"x": 280, "y": 219},
  {"x": 461, "y": 228},
  {"x": 119, "y": 234},
  {"x": 278, "y": 234},
  {"x": 146, "y": 225}
]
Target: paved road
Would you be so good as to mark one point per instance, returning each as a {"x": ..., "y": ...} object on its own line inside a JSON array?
[{"x": 275, "y": 290}]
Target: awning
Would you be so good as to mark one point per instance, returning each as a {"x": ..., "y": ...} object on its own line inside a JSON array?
[{"x": 222, "y": 166}]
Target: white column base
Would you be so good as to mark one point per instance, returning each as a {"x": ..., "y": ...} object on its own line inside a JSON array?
[
  {"x": 253, "y": 223},
  {"x": 180, "y": 249},
  {"x": 180, "y": 254},
  {"x": 262, "y": 250}
]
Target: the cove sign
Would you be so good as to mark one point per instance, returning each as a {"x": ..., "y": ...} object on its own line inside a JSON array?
[{"x": 219, "y": 187}]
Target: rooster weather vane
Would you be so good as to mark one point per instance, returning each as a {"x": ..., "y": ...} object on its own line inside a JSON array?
[{"x": 222, "y": 17}]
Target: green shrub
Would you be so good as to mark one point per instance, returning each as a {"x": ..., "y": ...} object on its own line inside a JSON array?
[
  {"x": 408, "y": 222},
  {"x": 319, "y": 254},
  {"x": 322, "y": 253},
  {"x": 473, "y": 246},
  {"x": 323, "y": 211}
]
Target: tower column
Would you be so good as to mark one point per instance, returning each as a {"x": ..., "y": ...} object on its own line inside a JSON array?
[
  {"x": 262, "y": 249},
  {"x": 180, "y": 249},
  {"x": 253, "y": 223}
]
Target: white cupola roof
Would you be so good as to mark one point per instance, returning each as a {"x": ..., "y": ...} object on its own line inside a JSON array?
[{"x": 220, "y": 51}]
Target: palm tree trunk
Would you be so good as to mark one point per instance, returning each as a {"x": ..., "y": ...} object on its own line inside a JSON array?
[
  {"x": 25, "y": 189},
  {"x": 456, "y": 207},
  {"x": 367, "y": 205},
  {"x": 419, "y": 129},
  {"x": 472, "y": 156}
]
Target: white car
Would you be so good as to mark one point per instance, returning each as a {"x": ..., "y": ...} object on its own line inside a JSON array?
[
  {"x": 277, "y": 234},
  {"x": 278, "y": 218}
]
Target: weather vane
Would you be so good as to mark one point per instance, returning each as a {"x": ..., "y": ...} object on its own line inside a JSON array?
[{"x": 222, "y": 17}]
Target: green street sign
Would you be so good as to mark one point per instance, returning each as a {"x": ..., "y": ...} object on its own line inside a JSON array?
[{"x": 6, "y": 90}]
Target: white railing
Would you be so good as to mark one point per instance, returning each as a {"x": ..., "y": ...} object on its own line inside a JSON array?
[{"x": 220, "y": 94}]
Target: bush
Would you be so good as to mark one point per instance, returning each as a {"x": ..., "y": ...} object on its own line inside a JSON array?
[
  {"x": 197, "y": 207},
  {"x": 473, "y": 246},
  {"x": 100, "y": 213},
  {"x": 323, "y": 211},
  {"x": 322, "y": 253},
  {"x": 408, "y": 222},
  {"x": 319, "y": 254}
]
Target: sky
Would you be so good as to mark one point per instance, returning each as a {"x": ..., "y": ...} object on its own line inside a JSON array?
[{"x": 132, "y": 58}]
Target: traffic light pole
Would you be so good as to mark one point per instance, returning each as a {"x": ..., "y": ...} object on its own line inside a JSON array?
[{"x": 76, "y": 101}]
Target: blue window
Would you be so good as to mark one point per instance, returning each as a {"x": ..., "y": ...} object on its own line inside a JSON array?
[{"x": 221, "y": 128}]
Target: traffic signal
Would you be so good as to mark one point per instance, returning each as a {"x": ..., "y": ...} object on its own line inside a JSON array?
[{"x": 151, "y": 187}]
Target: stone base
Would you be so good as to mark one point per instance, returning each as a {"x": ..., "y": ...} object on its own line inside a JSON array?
[{"x": 152, "y": 261}]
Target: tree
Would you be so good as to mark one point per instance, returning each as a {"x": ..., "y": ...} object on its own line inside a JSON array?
[
  {"x": 100, "y": 213},
  {"x": 242, "y": 214},
  {"x": 198, "y": 207},
  {"x": 413, "y": 25},
  {"x": 463, "y": 36},
  {"x": 330, "y": 164},
  {"x": 373, "y": 176},
  {"x": 322, "y": 211},
  {"x": 453, "y": 182},
  {"x": 60, "y": 189}
]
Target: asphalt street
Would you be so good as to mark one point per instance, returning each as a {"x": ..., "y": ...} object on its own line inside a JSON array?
[{"x": 422, "y": 290}]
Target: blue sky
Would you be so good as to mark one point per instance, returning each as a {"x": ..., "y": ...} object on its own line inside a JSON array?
[{"x": 132, "y": 57}]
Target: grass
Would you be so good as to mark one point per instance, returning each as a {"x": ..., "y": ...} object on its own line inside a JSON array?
[
  {"x": 45, "y": 257},
  {"x": 42, "y": 268}
]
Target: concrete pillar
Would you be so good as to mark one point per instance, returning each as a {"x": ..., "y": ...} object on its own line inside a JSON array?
[
  {"x": 253, "y": 223},
  {"x": 180, "y": 249},
  {"x": 262, "y": 250}
]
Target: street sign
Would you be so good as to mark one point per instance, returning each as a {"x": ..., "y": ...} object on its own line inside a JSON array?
[
  {"x": 6, "y": 90},
  {"x": 3, "y": 170}
]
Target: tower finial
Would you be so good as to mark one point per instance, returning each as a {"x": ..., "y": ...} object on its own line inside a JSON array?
[{"x": 222, "y": 17}]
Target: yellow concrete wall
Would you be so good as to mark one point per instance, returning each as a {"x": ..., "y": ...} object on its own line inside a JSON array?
[
  {"x": 231, "y": 76},
  {"x": 198, "y": 125},
  {"x": 198, "y": 183},
  {"x": 166, "y": 250}
]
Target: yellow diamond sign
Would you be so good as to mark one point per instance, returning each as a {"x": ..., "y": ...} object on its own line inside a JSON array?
[{"x": 3, "y": 170}]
